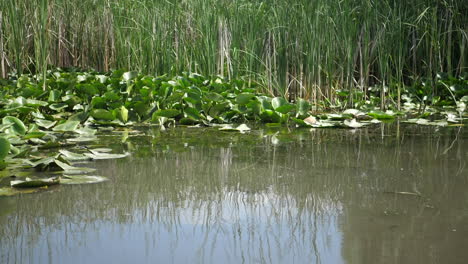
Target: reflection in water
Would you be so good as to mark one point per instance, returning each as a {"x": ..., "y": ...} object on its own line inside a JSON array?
[{"x": 271, "y": 196}]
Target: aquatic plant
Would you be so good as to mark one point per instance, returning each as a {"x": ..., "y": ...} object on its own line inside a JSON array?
[{"x": 308, "y": 49}]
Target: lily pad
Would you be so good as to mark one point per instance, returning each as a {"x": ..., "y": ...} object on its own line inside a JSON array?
[
  {"x": 68, "y": 126},
  {"x": 102, "y": 114},
  {"x": 82, "y": 179},
  {"x": 353, "y": 123},
  {"x": 35, "y": 183},
  {"x": 71, "y": 156},
  {"x": 96, "y": 155},
  {"x": 45, "y": 123},
  {"x": 68, "y": 169},
  {"x": 241, "y": 128},
  {"x": 17, "y": 126},
  {"x": 8, "y": 191},
  {"x": 82, "y": 138},
  {"x": 4, "y": 147}
]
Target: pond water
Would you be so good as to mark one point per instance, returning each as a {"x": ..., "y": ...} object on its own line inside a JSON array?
[{"x": 392, "y": 193}]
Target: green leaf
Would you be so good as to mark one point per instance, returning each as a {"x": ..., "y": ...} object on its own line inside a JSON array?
[
  {"x": 4, "y": 148},
  {"x": 101, "y": 114},
  {"x": 45, "y": 123},
  {"x": 284, "y": 109},
  {"x": 192, "y": 113},
  {"x": 270, "y": 116},
  {"x": 58, "y": 106},
  {"x": 303, "y": 107},
  {"x": 17, "y": 125},
  {"x": 71, "y": 156},
  {"x": 214, "y": 97},
  {"x": 71, "y": 169},
  {"x": 36, "y": 183},
  {"x": 34, "y": 134},
  {"x": 127, "y": 76},
  {"x": 35, "y": 103},
  {"x": 123, "y": 114},
  {"x": 169, "y": 113},
  {"x": 81, "y": 179},
  {"x": 8, "y": 191},
  {"x": 96, "y": 155},
  {"x": 68, "y": 126},
  {"x": 381, "y": 115},
  {"x": 241, "y": 128},
  {"x": 244, "y": 98},
  {"x": 278, "y": 102}
]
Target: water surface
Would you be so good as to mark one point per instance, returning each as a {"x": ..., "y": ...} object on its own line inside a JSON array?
[{"x": 387, "y": 194}]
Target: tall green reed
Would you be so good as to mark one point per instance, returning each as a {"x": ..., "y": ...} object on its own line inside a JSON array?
[{"x": 306, "y": 48}]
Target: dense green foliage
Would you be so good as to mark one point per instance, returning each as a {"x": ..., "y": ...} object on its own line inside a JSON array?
[
  {"x": 305, "y": 48},
  {"x": 49, "y": 124}
]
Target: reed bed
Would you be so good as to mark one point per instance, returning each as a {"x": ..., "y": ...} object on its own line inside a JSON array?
[{"x": 305, "y": 48}]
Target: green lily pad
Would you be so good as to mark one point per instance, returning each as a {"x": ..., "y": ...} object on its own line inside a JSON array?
[
  {"x": 8, "y": 191},
  {"x": 353, "y": 123},
  {"x": 68, "y": 126},
  {"x": 71, "y": 156},
  {"x": 102, "y": 114},
  {"x": 17, "y": 126},
  {"x": 4, "y": 147},
  {"x": 244, "y": 98},
  {"x": 82, "y": 179},
  {"x": 96, "y": 155},
  {"x": 68, "y": 169},
  {"x": 169, "y": 113},
  {"x": 241, "y": 128},
  {"x": 35, "y": 134},
  {"x": 82, "y": 138},
  {"x": 45, "y": 123},
  {"x": 382, "y": 115},
  {"x": 35, "y": 183}
]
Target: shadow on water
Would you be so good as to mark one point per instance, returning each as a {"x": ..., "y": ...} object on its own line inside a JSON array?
[{"x": 389, "y": 194}]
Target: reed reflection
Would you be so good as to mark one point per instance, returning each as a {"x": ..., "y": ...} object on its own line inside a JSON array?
[{"x": 320, "y": 196}]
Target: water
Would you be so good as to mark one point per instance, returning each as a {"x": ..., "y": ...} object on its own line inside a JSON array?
[{"x": 388, "y": 194}]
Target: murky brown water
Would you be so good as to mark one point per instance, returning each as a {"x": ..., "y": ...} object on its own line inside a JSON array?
[{"x": 388, "y": 194}]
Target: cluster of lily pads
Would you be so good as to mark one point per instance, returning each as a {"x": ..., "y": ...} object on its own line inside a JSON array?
[{"x": 68, "y": 108}]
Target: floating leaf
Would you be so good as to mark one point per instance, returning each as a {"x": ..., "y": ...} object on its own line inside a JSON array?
[
  {"x": 214, "y": 97},
  {"x": 45, "y": 123},
  {"x": 99, "y": 155},
  {"x": 82, "y": 138},
  {"x": 35, "y": 103},
  {"x": 71, "y": 156},
  {"x": 353, "y": 123},
  {"x": 35, "y": 183},
  {"x": 244, "y": 98},
  {"x": 127, "y": 76},
  {"x": 85, "y": 131},
  {"x": 8, "y": 191},
  {"x": 169, "y": 113},
  {"x": 82, "y": 179},
  {"x": 241, "y": 128},
  {"x": 34, "y": 134},
  {"x": 192, "y": 113},
  {"x": 353, "y": 112},
  {"x": 102, "y": 114},
  {"x": 68, "y": 126},
  {"x": 123, "y": 114},
  {"x": 278, "y": 102},
  {"x": 68, "y": 169},
  {"x": 17, "y": 126},
  {"x": 303, "y": 107},
  {"x": 382, "y": 115},
  {"x": 4, "y": 148},
  {"x": 58, "y": 106}
]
